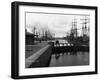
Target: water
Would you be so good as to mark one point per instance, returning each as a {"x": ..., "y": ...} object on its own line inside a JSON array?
[
  {"x": 61, "y": 41},
  {"x": 70, "y": 59}
]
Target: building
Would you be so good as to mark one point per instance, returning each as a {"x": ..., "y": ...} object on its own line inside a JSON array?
[{"x": 29, "y": 38}]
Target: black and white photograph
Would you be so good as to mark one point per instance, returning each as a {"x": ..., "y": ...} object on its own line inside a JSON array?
[{"x": 51, "y": 40}]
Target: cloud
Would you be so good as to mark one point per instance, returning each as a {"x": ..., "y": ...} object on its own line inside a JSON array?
[{"x": 58, "y": 24}]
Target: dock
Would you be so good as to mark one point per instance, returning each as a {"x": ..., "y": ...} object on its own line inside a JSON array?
[{"x": 42, "y": 57}]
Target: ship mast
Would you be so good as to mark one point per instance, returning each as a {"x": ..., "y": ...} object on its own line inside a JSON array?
[
  {"x": 74, "y": 27},
  {"x": 84, "y": 23}
]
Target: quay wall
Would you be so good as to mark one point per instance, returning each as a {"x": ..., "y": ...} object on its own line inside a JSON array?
[{"x": 43, "y": 60}]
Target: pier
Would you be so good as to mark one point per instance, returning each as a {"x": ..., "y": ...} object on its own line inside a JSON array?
[
  {"x": 40, "y": 58},
  {"x": 43, "y": 57}
]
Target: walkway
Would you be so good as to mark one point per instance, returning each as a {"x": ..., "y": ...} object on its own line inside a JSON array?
[{"x": 32, "y": 58}]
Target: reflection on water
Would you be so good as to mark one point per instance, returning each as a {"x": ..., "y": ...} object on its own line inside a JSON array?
[{"x": 70, "y": 59}]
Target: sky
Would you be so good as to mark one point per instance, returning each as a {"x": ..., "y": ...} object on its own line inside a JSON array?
[{"x": 58, "y": 24}]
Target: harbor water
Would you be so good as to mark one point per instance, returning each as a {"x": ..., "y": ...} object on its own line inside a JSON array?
[{"x": 69, "y": 58}]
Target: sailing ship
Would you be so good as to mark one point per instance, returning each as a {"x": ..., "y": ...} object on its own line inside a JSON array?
[{"x": 83, "y": 39}]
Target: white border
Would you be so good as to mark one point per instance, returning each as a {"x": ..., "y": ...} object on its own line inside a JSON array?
[{"x": 52, "y": 70}]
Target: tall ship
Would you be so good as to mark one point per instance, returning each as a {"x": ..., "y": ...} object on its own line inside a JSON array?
[{"x": 79, "y": 38}]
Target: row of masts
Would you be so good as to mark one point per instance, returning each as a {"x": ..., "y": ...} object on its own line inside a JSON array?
[{"x": 84, "y": 27}]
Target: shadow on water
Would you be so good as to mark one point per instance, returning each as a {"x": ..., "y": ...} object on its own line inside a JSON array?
[{"x": 57, "y": 56}]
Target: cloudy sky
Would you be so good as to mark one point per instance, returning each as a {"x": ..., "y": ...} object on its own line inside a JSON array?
[{"x": 59, "y": 24}]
